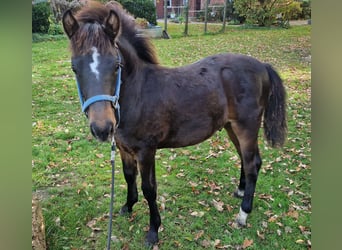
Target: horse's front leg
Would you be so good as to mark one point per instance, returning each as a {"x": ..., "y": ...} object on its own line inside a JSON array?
[
  {"x": 149, "y": 187},
  {"x": 130, "y": 171}
]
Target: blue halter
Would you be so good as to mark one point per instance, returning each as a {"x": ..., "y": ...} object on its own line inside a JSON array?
[{"x": 113, "y": 99}]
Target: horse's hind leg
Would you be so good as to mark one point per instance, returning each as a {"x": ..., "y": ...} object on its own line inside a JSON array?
[
  {"x": 130, "y": 172},
  {"x": 247, "y": 136}
]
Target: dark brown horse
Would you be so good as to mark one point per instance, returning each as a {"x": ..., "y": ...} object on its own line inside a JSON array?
[{"x": 169, "y": 107}]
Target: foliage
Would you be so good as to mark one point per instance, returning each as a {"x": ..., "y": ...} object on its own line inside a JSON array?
[
  {"x": 232, "y": 15},
  {"x": 40, "y": 17},
  {"x": 264, "y": 12},
  {"x": 306, "y": 9},
  {"x": 141, "y": 22},
  {"x": 60, "y": 6},
  {"x": 55, "y": 28},
  {"x": 141, "y": 8},
  {"x": 71, "y": 171},
  {"x": 291, "y": 11}
]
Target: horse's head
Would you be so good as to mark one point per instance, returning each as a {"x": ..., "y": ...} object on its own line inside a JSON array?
[{"x": 95, "y": 62}]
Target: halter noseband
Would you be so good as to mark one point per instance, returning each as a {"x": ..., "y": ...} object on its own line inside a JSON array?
[{"x": 113, "y": 99}]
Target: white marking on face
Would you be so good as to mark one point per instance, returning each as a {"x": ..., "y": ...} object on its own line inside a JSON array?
[{"x": 95, "y": 63}]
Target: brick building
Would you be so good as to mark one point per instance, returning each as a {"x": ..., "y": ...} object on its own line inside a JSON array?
[{"x": 175, "y": 7}]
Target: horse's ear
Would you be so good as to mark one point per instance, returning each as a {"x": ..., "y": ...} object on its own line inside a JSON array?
[
  {"x": 112, "y": 25},
  {"x": 70, "y": 24}
]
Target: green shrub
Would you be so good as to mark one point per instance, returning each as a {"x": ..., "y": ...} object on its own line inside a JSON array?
[
  {"x": 306, "y": 9},
  {"x": 292, "y": 11},
  {"x": 40, "y": 17},
  {"x": 142, "y": 9},
  {"x": 264, "y": 12},
  {"x": 55, "y": 28}
]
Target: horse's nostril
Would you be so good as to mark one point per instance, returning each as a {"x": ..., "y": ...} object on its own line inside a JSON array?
[
  {"x": 102, "y": 131},
  {"x": 92, "y": 129}
]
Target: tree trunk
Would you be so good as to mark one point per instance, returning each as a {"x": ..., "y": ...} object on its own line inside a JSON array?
[{"x": 186, "y": 18}]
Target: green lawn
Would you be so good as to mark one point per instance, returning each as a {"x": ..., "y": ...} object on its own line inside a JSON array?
[{"x": 71, "y": 171}]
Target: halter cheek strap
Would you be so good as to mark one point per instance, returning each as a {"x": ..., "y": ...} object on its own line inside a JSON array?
[{"x": 114, "y": 99}]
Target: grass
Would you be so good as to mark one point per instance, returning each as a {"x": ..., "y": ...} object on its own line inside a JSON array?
[{"x": 71, "y": 171}]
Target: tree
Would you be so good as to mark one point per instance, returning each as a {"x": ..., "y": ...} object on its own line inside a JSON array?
[
  {"x": 263, "y": 12},
  {"x": 186, "y": 12},
  {"x": 40, "y": 17},
  {"x": 141, "y": 8}
]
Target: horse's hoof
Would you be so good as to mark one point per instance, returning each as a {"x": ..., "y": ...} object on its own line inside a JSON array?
[
  {"x": 151, "y": 239},
  {"x": 124, "y": 210},
  {"x": 240, "y": 223},
  {"x": 241, "y": 219}
]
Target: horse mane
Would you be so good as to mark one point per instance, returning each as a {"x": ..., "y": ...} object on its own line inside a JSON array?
[{"x": 94, "y": 14}]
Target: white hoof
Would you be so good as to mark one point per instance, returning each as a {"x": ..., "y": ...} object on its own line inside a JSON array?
[
  {"x": 239, "y": 193},
  {"x": 241, "y": 219}
]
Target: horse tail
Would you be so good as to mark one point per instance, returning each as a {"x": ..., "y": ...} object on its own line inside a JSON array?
[{"x": 275, "y": 124}]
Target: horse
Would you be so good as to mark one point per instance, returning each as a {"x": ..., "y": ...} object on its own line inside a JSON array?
[{"x": 158, "y": 107}]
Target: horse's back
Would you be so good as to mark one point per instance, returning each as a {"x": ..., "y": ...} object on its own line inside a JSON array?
[
  {"x": 210, "y": 93},
  {"x": 244, "y": 81}
]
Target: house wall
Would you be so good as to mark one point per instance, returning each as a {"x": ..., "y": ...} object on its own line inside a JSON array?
[{"x": 177, "y": 6}]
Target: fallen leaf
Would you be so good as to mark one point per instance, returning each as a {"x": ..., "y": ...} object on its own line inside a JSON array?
[
  {"x": 114, "y": 239},
  {"x": 199, "y": 234},
  {"x": 217, "y": 242},
  {"x": 179, "y": 175},
  {"x": 266, "y": 197},
  {"x": 279, "y": 224},
  {"x": 203, "y": 203},
  {"x": 302, "y": 228},
  {"x": 205, "y": 243},
  {"x": 96, "y": 229},
  {"x": 58, "y": 221},
  {"x": 247, "y": 243},
  {"x": 99, "y": 155},
  {"x": 125, "y": 247},
  {"x": 91, "y": 223},
  {"x": 186, "y": 152},
  {"x": 193, "y": 184},
  {"x": 273, "y": 218},
  {"x": 293, "y": 214},
  {"x": 229, "y": 208},
  {"x": 197, "y": 214},
  {"x": 264, "y": 224},
  {"x": 260, "y": 235},
  {"x": 288, "y": 229},
  {"x": 218, "y": 205}
]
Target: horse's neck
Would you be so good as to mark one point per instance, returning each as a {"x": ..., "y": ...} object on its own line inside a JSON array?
[{"x": 130, "y": 59}]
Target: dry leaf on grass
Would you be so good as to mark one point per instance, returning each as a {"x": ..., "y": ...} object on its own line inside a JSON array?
[{"x": 247, "y": 243}]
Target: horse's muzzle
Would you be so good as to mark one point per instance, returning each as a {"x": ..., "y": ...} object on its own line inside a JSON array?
[{"x": 103, "y": 131}]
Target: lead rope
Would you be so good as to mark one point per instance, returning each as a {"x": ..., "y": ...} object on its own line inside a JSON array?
[{"x": 112, "y": 161}]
